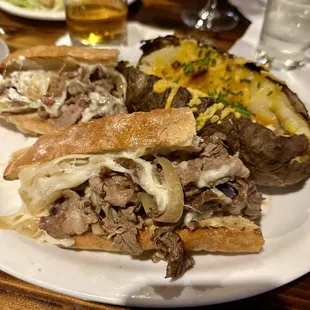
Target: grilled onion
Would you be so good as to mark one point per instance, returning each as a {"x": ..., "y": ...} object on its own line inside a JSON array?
[{"x": 174, "y": 209}]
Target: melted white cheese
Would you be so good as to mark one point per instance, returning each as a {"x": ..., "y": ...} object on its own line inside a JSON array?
[
  {"x": 44, "y": 237},
  {"x": 42, "y": 184},
  {"x": 212, "y": 177},
  {"x": 189, "y": 217},
  {"x": 102, "y": 104}
]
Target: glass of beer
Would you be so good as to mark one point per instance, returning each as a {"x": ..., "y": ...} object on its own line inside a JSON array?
[{"x": 97, "y": 22}]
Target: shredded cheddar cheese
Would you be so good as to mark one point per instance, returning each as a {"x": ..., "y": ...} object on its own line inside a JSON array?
[
  {"x": 161, "y": 86},
  {"x": 204, "y": 71},
  {"x": 244, "y": 92}
]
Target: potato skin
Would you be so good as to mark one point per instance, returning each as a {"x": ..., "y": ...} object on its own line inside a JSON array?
[
  {"x": 273, "y": 160},
  {"x": 140, "y": 95}
]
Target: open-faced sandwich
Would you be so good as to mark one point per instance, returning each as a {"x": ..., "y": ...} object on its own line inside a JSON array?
[
  {"x": 47, "y": 88},
  {"x": 260, "y": 116},
  {"x": 137, "y": 182}
]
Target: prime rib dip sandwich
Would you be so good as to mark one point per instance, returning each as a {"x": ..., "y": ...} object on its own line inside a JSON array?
[
  {"x": 133, "y": 183},
  {"x": 48, "y": 88}
]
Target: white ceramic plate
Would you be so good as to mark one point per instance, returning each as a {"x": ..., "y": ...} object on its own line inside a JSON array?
[
  {"x": 26, "y": 13},
  {"x": 42, "y": 15},
  {"x": 119, "y": 279}
]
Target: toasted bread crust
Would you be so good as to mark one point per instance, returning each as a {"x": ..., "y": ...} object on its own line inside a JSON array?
[
  {"x": 222, "y": 238},
  {"x": 30, "y": 124},
  {"x": 50, "y": 52},
  {"x": 156, "y": 129}
]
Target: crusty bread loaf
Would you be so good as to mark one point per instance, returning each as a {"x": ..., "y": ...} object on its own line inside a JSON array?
[
  {"x": 233, "y": 234},
  {"x": 156, "y": 129},
  {"x": 52, "y": 52}
]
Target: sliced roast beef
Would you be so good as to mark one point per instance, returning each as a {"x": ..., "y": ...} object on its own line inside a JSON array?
[
  {"x": 2, "y": 89},
  {"x": 129, "y": 164},
  {"x": 191, "y": 191},
  {"x": 105, "y": 84},
  {"x": 43, "y": 113},
  {"x": 77, "y": 87},
  {"x": 55, "y": 87},
  {"x": 122, "y": 231},
  {"x": 105, "y": 80},
  {"x": 70, "y": 217},
  {"x": 96, "y": 184},
  {"x": 110, "y": 190},
  {"x": 94, "y": 192},
  {"x": 71, "y": 112},
  {"x": 114, "y": 188},
  {"x": 131, "y": 213},
  {"x": 213, "y": 166},
  {"x": 247, "y": 201},
  {"x": 255, "y": 198},
  {"x": 208, "y": 199},
  {"x": 189, "y": 171},
  {"x": 119, "y": 190},
  {"x": 171, "y": 249}
]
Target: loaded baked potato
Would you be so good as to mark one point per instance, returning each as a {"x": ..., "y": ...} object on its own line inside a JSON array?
[{"x": 261, "y": 118}]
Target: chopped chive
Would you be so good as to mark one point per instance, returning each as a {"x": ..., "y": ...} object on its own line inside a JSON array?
[
  {"x": 188, "y": 69},
  {"x": 270, "y": 93},
  {"x": 237, "y": 106},
  {"x": 208, "y": 53},
  {"x": 200, "y": 53},
  {"x": 213, "y": 62},
  {"x": 245, "y": 81},
  {"x": 228, "y": 68},
  {"x": 258, "y": 85}
]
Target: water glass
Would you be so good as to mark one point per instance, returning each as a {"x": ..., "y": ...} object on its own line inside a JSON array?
[{"x": 285, "y": 36}]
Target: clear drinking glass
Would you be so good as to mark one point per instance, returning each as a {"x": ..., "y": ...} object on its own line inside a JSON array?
[
  {"x": 285, "y": 37},
  {"x": 210, "y": 18},
  {"x": 97, "y": 22}
]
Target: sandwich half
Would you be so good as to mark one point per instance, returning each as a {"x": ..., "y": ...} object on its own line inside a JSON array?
[
  {"x": 133, "y": 183},
  {"x": 48, "y": 88}
]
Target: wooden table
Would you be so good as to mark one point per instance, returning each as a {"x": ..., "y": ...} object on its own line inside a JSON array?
[{"x": 21, "y": 33}]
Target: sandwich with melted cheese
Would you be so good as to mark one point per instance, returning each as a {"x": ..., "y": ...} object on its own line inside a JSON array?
[
  {"x": 48, "y": 88},
  {"x": 133, "y": 183}
]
